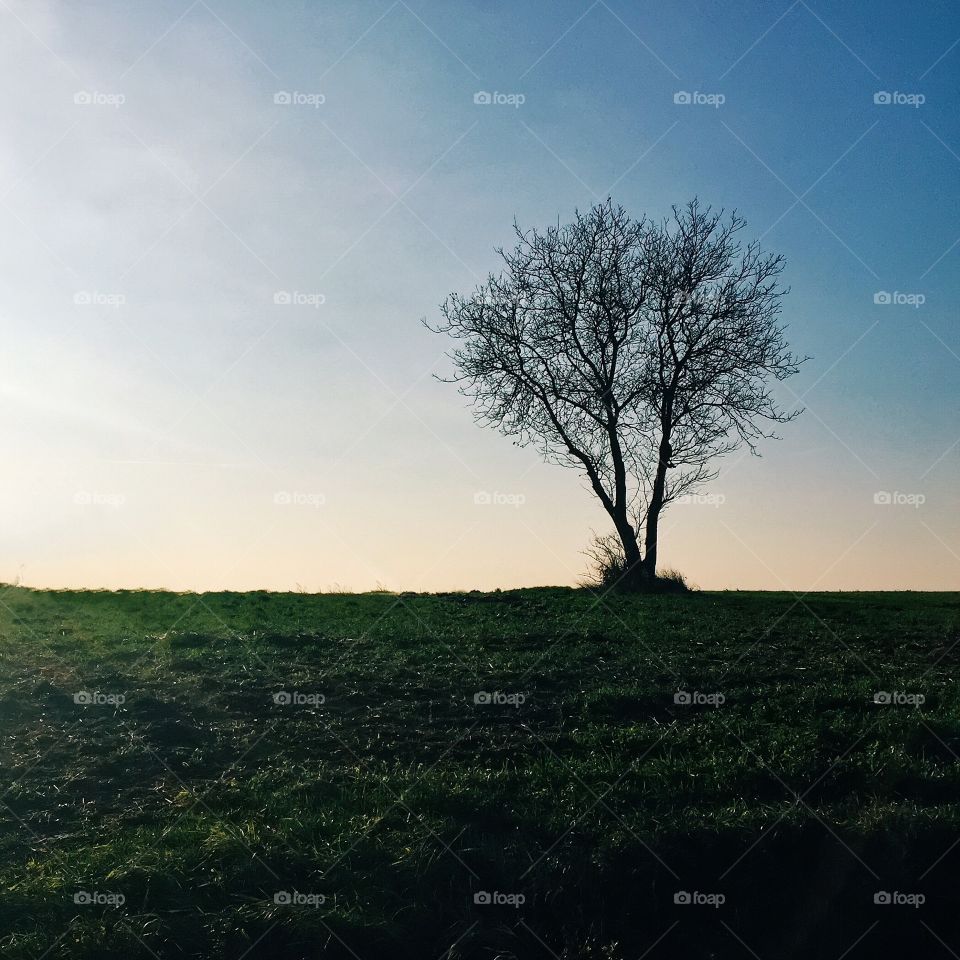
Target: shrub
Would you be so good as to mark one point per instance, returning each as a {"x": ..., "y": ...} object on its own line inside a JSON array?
[{"x": 608, "y": 568}]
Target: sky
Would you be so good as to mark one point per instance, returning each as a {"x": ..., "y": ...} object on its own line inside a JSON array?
[{"x": 224, "y": 223}]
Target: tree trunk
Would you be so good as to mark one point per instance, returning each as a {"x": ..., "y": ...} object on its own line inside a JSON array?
[
  {"x": 653, "y": 510},
  {"x": 633, "y": 575},
  {"x": 631, "y": 551},
  {"x": 650, "y": 544}
]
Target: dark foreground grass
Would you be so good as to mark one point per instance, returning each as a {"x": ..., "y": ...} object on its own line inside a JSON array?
[{"x": 581, "y": 795}]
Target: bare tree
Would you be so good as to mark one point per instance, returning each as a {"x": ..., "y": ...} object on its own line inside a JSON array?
[{"x": 635, "y": 351}]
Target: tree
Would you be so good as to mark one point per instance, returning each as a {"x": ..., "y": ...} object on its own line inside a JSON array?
[{"x": 635, "y": 351}]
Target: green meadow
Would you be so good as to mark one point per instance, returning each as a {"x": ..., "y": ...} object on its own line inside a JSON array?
[{"x": 524, "y": 774}]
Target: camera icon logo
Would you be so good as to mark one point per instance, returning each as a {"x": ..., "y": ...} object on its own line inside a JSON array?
[
  {"x": 482, "y": 898},
  {"x": 681, "y": 897},
  {"x": 282, "y": 898},
  {"x": 82, "y": 97},
  {"x": 882, "y": 297},
  {"x": 482, "y": 498},
  {"x": 282, "y": 697},
  {"x": 282, "y": 297},
  {"x": 881, "y": 897},
  {"x": 282, "y": 497},
  {"x": 482, "y": 97},
  {"x": 82, "y": 897},
  {"x": 282, "y": 97},
  {"x": 483, "y": 697},
  {"x": 683, "y": 698},
  {"x": 682, "y": 96},
  {"x": 882, "y": 696},
  {"x": 882, "y": 497},
  {"x": 882, "y": 96}
]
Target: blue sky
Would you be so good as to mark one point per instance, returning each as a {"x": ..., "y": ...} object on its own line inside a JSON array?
[{"x": 158, "y": 402}]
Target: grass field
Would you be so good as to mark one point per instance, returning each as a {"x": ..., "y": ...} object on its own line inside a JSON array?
[{"x": 380, "y": 760}]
